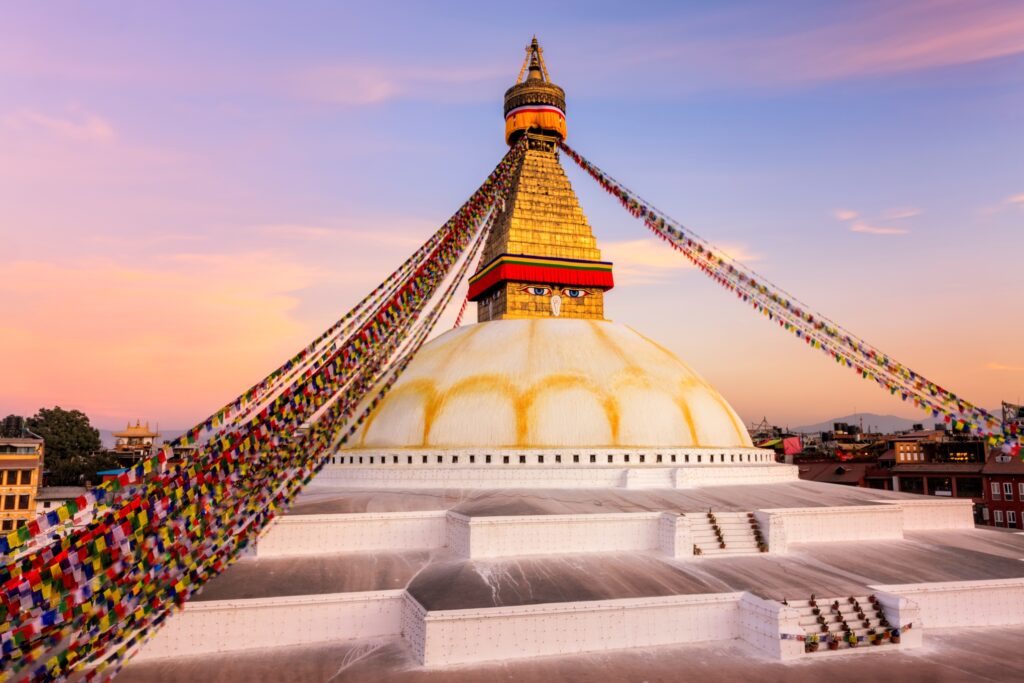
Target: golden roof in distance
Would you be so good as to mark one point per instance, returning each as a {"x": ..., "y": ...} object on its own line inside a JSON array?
[{"x": 136, "y": 431}]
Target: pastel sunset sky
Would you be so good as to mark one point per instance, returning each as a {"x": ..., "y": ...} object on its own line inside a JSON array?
[{"x": 190, "y": 191}]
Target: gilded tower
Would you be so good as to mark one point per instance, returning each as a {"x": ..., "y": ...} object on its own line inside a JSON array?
[{"x": 541, "y": 259}]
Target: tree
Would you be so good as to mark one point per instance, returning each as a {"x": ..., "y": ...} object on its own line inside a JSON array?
[
  {"x": 12, "y": 426},
  {"x": 72, "y": 446}
]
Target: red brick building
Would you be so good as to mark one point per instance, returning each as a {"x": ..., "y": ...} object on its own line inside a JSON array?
[{"x": 1004, "y": 492}]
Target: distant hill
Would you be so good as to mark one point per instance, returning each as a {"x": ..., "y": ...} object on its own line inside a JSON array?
[
  {"x": 872, "y": 422},
  {"x": 108, "y": 440}
]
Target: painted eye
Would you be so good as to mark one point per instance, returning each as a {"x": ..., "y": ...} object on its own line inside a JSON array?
[
  {"x": 537, "y": 291},
  {"x": 575, "y": 293}
]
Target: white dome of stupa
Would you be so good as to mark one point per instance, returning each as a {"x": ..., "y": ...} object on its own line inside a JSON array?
[{"x": 550, "y": 383}]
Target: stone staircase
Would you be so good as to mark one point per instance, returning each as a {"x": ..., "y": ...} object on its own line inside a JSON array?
[
  {"x": 725, "y": 533},
  {"x": 853, "y": 618}
]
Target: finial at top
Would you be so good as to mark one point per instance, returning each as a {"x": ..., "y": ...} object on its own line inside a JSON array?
[{"x": 534, "y": 103}]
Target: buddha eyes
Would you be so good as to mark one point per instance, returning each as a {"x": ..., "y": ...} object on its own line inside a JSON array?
[{"x": 569, "y": 292}]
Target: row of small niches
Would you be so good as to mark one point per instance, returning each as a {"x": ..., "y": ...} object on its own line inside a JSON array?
[{"x": 612, "y": 459}]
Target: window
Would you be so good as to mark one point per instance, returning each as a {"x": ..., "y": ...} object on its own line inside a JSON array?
[
  {"x": 1020, "y": 490},
  {"x": 1007, "y": 490},
  {"x": 504, "y": 459},
  {"x": 11, "y": 477},
  {"x": 627, "y": 458},
  {"x": 7, "y": 525},
  {"x": 984, "y": 514},
  {"x": 439, "y": 459},
  {"x": 487, "y": 459},
  {"x": 576, "y": 458},
  {"x": 522, "y": 459},
  {"x": 643, "y": 458},
  {"x": 593, "y": 458},
  {"x": 455, "y": 459},
  {"x": 558, "y": 458},
  {"x": 995, "y": 491},
  {"x": 999, "y": 516},
  {"x": 609, "y": 458},
  {"x": 1011, "y": 518},
  {"x": 658, "y": 457},
  {"x": 9, "y": 502},
  {"x": 540, "y": 459},
  {"x": 472, "y": 459},
  {"x": 26, "y": 477},
  {"x": 23, "y": 502}
]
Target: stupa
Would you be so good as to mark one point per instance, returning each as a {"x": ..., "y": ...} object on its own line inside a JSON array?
[{"x": 547, "y": 493}]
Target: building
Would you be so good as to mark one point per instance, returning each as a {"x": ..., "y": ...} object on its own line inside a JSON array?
[
  {"x": 548, "y": 483},
  {"x": 1004, "y": 492},
  {"x": 134, "y": 442},
  {"x": 21, "y": 468},
  {"x": 51, "y": 497}
]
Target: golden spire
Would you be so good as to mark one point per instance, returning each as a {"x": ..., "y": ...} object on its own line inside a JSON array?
[{"x": 541, "y": 259}]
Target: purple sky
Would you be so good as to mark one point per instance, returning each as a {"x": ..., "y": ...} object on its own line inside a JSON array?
[{"x": 191, "y": 191}]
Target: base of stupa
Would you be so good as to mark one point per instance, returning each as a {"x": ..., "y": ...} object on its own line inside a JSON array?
[
  {"x": 555, "y": 468},
  {"x": 465, "y": 578}
]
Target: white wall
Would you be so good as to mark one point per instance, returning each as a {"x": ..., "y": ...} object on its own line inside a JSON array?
[
  {"x": 936, "y": 513},
  {"x": 325, "y": 534},
  {"x": 850, "y": 523},
  {"x": 549, "y": 534},
  {"x": 464, "y": 636},
  {"x": 997, "y": 602},
  {"x": 233, "y": 625}
]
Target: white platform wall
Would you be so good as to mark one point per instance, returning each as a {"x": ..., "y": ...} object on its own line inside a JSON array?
[
  {"x": 998, "y": 602},
  {"x": 234, "y": 625},
  {"x": 341, "y": 533}
]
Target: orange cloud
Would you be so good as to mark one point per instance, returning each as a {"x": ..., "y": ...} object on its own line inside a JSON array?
[
  {"x": 1007, "y": 368},
  {"x": 845, "y": 214},
  {"x": 650, "y": 261}
]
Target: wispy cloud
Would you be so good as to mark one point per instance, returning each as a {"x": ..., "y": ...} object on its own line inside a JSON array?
[
  {"x": 1015, "y": 199},
  {"x": 293, "y": 231},
  {"x": 355, "y": 84},
  {"x": 901, "y": 213},
  {"x": 75, "y": 124},
  {"x": 757, "y": 46},
  {"x": 850, "y": 217},
  {"x": 876, "y": 230},
  {"x": 1004, "y": 367},
  {"x": 400, "y": 231},
  {"x": 648, "y": 261}
]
